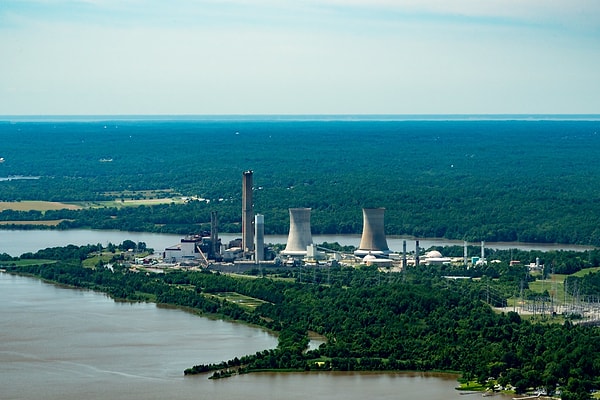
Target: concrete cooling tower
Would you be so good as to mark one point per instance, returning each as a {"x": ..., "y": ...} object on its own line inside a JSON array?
[
  {"x": 299, "y": 237},
  {"x": 373, "y": 236}
]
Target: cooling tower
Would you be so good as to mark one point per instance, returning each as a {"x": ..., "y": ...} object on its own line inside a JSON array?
[
  {"x": 247, "y": 211},
  {"x": 373, "y": 236},
  {"x": 299, "y": 237}
]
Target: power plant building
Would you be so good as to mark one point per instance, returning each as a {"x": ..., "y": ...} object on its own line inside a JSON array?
[
  {"x": 300, "y": 236},
  {"x": 189, "y": 249}
]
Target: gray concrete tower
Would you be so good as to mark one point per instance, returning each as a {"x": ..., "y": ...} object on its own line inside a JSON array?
[
  {"x": 300, "y": 236},
  {"x": 373, "y": 236},
  {"x": 247, "y": 211}
]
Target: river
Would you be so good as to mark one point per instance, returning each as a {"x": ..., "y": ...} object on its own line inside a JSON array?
[
  {"x": 17, "y": 242},
  {"x": 61, "y": 343}
]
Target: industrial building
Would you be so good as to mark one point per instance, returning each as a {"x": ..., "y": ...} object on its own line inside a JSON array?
[{"x": 193, "y": 249}]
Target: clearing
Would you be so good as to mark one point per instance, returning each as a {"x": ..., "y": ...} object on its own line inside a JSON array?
[{"x": 29, "y": 205}]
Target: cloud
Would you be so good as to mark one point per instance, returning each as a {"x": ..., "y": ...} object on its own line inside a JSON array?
[{"x": 574, "y": 14}]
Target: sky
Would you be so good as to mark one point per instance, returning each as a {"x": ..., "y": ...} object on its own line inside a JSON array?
[{"x": 207, "y": 57}]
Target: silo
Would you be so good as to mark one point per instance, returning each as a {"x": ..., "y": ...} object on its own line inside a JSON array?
[
  {"x": 259, "y": 238},
  {"x": 373, "y": 236},
  {"x": 299, "y": 237}
]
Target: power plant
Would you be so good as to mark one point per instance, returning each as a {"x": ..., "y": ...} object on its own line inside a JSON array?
[{"x": 250, "y": 249}]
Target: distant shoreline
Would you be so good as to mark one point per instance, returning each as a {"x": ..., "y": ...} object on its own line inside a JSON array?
[{"x": 301, "y": 117}]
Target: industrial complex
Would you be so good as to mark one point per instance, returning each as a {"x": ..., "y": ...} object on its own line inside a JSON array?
[{"x": 204, "y": 250}]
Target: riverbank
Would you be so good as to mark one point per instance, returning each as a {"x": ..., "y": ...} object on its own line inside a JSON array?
[
  {"x": 373, "y": 325},
  {"x": 17, "y": 242}
]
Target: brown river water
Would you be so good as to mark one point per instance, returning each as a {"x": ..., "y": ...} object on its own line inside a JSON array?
[{"x": 61, "y": 343}]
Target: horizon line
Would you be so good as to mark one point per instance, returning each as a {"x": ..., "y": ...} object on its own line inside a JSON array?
[{"x": 299, "y": 117}]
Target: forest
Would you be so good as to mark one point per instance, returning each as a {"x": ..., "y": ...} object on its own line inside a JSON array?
[
  {"x": 495, "y": 180},
  {"x": 414, "y": 320}
]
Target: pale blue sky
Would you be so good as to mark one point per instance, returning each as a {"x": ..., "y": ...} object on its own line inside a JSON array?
[{"x": 299, "y": 57}]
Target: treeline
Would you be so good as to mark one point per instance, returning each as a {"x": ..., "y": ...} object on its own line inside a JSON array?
[
  {"x": 415, "y": 320},
  {"x": 584, "y": 288},
  {"x": 194, "y": 216},
  {"x": 529, "y": 181}
]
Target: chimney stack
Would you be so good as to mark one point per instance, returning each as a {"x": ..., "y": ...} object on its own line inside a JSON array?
[{"x": 247, "y": 211}]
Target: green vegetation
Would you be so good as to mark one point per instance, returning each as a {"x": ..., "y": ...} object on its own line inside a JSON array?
[
  {"x": 239, "y": 299},
  {"x": 530, "y": 181},
  {"x": 414, "y": 320}
]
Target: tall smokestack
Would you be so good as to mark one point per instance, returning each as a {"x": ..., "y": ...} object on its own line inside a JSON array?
[
  {"x": 300, "y": 236},
  {"x": 259, "y": 238},
  {"x": 465, "y": 259},
  {"x": 214, "y": 233},
  {"x": 403, "y": 254},
  {"x": 482, "y": 250},
  {"x": 247, "y": 211},
  {"x": 373, "y": 235},
  {"x": 417, "y": 251}
]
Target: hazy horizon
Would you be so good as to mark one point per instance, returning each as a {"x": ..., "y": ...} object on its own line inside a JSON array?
[{"x": 302, "y": 117}]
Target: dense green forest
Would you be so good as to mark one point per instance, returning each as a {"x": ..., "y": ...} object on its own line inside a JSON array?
[
  {"x": 414, "y": 320},
  {"x": 531, "y": 181}
]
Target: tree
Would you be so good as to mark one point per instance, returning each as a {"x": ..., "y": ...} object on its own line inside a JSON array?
[{"x": 128, "y": 245}]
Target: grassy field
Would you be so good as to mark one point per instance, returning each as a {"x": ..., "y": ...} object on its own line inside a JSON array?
[
  {"x": 130, "y": 202},
  {"x": 239, "y": 299},
  {"x": 28, "y": 205},
  {"x": 105, "y": 258},
  {"x": 145, "y": 202},
  {"x": 556, "y": 282},
  {"x": 53, "y": 222},
  {"x": 31, "y": 205}
]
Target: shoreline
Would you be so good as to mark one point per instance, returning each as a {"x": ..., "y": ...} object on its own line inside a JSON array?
[{"x": 20, "y": 241}]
